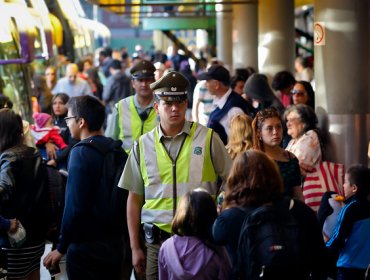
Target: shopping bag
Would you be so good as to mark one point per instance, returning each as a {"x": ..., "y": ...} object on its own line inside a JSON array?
[{"x": 326, "y": 176}]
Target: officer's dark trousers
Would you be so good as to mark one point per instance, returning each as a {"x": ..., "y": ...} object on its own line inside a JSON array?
[{"x": 94, "y": 260}]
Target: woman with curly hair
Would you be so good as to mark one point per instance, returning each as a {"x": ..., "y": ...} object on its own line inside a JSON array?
[{"x": 267, "y": 136}]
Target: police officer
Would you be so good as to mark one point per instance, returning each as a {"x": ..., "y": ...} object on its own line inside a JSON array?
[
  {"x": 173, "y": 158},
  {"x": 134, "y": 115}
]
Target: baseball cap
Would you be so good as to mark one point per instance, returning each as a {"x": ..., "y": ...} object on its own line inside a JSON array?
[{"x": 216, "y": 72}]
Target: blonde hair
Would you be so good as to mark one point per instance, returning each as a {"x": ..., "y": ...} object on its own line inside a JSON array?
[{"x": 240, "y": 136}]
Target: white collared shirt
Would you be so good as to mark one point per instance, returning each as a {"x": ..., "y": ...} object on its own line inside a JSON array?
[{"x": 220, "y": 103}]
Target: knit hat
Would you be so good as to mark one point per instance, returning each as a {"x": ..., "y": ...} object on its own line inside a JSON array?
[
  {"x": 257, "y": 87},
  {"x": 41, "y": 119}
]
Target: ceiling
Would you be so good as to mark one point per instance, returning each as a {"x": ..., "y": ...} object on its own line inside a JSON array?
[{"x": 190, "y": 8}]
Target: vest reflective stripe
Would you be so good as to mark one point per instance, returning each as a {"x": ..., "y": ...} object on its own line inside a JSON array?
[
  {"x": 194, "y": 169},
  {"x": 130, "y": 125}
]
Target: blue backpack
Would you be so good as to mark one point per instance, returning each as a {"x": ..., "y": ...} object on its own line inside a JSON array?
[{"x": 269, "y": 244}]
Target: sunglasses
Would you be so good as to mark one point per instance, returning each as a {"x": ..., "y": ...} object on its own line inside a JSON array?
[{"x": 297, "y": 92}]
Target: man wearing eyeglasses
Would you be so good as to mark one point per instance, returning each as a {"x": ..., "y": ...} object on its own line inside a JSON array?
[
  {"x": 90, "y": 237},
  {"x": 134, "y": 115}
]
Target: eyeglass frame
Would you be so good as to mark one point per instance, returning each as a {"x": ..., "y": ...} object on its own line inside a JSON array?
[
  {"x": 69, "y": 118},
  {"x": 298, "y": 92}
]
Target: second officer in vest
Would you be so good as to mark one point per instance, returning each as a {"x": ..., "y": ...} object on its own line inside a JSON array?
[
  {"x": 173, "y": 158},
  {"x": 134, "y": 115}
]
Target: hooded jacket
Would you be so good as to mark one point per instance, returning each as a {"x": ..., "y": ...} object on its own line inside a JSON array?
[{"x": 187, "y": 257}]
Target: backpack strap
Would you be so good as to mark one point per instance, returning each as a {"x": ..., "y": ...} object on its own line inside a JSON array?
[{"x": 103, "y": 149}]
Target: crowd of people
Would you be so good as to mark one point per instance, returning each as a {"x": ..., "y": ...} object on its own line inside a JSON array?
[{"x": 204, "y": 148}]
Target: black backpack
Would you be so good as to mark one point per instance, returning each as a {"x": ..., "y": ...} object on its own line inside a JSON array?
[
  {"x": 110, "y": 207},
  {"x": 269, "y": 244}
]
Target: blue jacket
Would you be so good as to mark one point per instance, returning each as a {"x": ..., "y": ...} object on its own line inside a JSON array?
[
  {"x": 80, "y": 221},
  {"x": 351, "y": 235}
]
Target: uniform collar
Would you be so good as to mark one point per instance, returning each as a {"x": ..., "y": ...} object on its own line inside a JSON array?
[
  {"x": 137, "y": 105},
  {"x": 185, "y": 129}
]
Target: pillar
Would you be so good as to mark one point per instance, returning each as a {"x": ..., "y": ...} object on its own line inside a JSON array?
[
  {"x": 245, "y": 35},
  {"x": 276, "y": 50},
  {"x": 223, "y": 34},
  {"x": 342, "y": 77}
]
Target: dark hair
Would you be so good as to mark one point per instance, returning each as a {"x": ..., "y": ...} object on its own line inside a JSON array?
[
  {"x": 242, "y": 72},
  {"x": 116, "y": 64},
  {"x": 254, "y": 180},
  {"x": 63, "y": 96},
  {"x": 250, "y": 70},
  {"x": 93, "y": 74},
  {"x": 302, "y": 61},
  {"x": 103, "y": 53},
  {"x": 40, "y": 86},
  {"x": 257, "y": 124},
  {"x": 90, "y": 109},
  {"x": 282, "y": 80},
  {"x": 5, "y": 102},
  {"x": 109, "y": 51},
  {"x": 235, "y": 79},
  {"x": 310, "y": 93},
  {"x": 11, "y": 129},
  {"x": 359, "y": 175},
  {"x": 306, "y": 114},
  {"x": 195, "y": 215}
]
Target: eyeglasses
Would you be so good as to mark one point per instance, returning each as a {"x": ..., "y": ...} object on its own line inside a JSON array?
[
  {"x": 68, "y": 118},
  {"x": 297, "y": 92}
]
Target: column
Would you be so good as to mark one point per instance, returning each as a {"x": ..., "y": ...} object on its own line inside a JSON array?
[
  {"x": 276, "y": 51},
  {"x": 342, "y": 77},
  {"x": 245, "y": 35},
  {"x": 223, "y": 34}
]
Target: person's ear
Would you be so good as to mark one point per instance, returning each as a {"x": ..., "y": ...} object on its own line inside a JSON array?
[
  {"x": 81, "y": 122},
  {"x": 355, "y": 188},
  {"x": 155, "y": 106}
]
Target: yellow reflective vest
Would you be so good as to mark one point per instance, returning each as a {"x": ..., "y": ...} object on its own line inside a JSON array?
[
  {"x": 131, "y": 127},
  {"x": 166, "y": 180}
]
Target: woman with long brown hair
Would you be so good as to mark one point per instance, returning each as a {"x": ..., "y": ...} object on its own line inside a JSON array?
[
  {"x": 267, "y": 136},
  {"x": 255, "y": 181},
  {"x": 22, "y": 197}
]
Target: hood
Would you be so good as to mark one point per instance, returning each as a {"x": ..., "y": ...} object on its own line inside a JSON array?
[
  {"x": 257, "y": 87},
  {"x": 188, "y": 255}
]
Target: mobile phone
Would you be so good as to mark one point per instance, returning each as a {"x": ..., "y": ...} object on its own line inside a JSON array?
[{"x": 54, "y": 270}]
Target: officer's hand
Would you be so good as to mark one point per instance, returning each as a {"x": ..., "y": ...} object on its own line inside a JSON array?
[{"x": 138, "y": 261}]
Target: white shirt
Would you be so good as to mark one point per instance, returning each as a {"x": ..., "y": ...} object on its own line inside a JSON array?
[{"x": 220, "y": 103}]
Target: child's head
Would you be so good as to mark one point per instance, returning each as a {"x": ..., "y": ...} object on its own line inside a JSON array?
[
  {"x": 357, "y": 181},
  {"x": 240, "y": 138},
  {"x": 42, "y": 120},
  {"x": 195, "y": 215}
]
